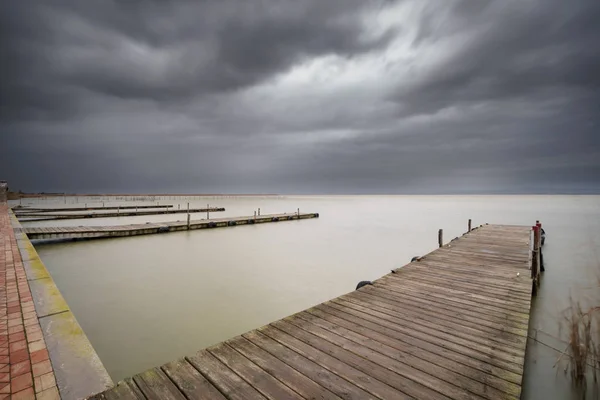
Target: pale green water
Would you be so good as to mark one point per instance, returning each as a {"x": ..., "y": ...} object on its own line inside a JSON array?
[{"x": 147, "y": 300}]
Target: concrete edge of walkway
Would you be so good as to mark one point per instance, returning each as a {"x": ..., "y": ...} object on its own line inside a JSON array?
[{"x": 78, "y": 370}]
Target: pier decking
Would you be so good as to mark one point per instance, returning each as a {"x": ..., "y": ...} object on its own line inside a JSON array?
[
  {"x": 90, "y": 232},
  {"x": 47, "y": 216},
  {"x": 452, "y": 325}
]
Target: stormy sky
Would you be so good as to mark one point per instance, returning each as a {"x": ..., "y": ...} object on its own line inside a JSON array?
[{"x": 302, "y": 96}]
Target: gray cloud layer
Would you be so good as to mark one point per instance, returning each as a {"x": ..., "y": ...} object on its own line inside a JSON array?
[{"x": 338, "y": 96}]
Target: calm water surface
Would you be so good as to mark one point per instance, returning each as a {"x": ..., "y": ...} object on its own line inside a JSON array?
[{"x": 147, "y": 300}]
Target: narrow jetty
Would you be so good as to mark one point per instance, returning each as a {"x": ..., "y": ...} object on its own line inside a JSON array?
[
  {"x": 450, "y": 325},
  {"x": 31, "y": 216},
  {"x": 23, "y": 209},
  {"x": 96, "y": 232}
]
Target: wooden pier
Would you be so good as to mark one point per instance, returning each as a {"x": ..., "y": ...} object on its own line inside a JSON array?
[
  {"x": 452, "y": 325},
  {"x": 24, "y": 210},
  {"x": 97, "y": 232},
  {"x": 32, "y": 216}
]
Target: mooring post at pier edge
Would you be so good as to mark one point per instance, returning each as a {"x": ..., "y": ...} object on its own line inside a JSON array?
[
  {"x": 188, "y": 216},
  {"x": 440, "y": 237},
  {"x": 469, "y": 227},
  {"x": 535, "y": 260}
]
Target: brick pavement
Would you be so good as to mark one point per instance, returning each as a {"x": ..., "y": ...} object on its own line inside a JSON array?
[{"x": 25, "y": 368}]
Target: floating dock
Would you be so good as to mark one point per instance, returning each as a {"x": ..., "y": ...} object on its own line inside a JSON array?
[
  {"x": 46, "y": 216},
  {"x": 96, "y": 232},
  {"x": 452, "y": 325},
  {"x": 23, "y": 210}
]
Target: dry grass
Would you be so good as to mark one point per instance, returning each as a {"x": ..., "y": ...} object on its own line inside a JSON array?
[{"x": 583, "y": 328}]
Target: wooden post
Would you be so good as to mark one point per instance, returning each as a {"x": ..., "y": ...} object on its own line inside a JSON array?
[
  {"x": 65, "y": 197},
  {"x": 255, "y": 214},
  {"x": 179, "y": 206},
  {"x": 535, "y": 253},
  {"x": 188, "y": 216},
  {"x": 259, "y": 211},
  {"x": 298, "y": 213},
  {"x": 469, "y": 230},
  {"x": 207, "y": 211},
  {"x": 441, "y": 237}
]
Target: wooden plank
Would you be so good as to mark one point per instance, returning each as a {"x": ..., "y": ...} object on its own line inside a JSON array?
[
  {"x": 154, "y": 384},
  {"x": 440, "y": 318},
  {"x": 461, "y": 282},
  {"x": 497, "y": 377},
  {"x": 334, "y": 383},
  {"x": 361, "y": 372},
  {"x": 494, "y": 279},
  {"x": 298, "y": 382},
  {"x": 228, "y": 383},
  {"x": 125, "y": 390},
  {"x": 403, "y": 378},
  {"x": 190, "y": 382},
  {"x": 475, "y": 303},
  {"x": 422, "y": 305},
  {"x": 445, "y": 380},
  {"x": 431, "y": 334},
  {"x": 442, "y": 328},
  {"x": 251, "y": 373}
]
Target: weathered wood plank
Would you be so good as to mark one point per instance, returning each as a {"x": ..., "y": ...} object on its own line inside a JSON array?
[
  {"x": 125, "y": 390},
  {"x": 461, "y": 346},
  {"x": 447, "y": 381},
  {"x": 154, "y": 384},
  {"x": 363, "y": 373},
  {"x": 228, "y": 383},
  {"x": 497, "y": 377},
  {"x": 329, "y": 380},
  {"x": 251, "y": 373},
  {"x": 300, "y": 383},
  {"x": 190, "y": 382}
]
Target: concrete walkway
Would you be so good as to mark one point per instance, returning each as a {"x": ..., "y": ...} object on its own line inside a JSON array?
[{"x": 25, "y": 368}]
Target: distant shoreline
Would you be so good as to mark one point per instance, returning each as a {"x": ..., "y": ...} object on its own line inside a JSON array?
[{"x": 16, "y": 196}]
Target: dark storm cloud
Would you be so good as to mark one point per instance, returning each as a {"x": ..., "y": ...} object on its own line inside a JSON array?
[{"x": 305, "y": 96}]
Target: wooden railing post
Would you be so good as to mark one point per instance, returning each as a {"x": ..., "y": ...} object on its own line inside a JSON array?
[
  {"x": 440, "y": 237},
  {"x": 469, "y": 228}
]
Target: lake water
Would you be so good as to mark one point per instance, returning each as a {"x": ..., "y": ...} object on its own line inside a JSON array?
[{"x": 147, "y": 300}]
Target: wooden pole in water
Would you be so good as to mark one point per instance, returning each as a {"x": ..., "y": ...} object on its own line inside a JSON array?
[
  {"x": 188, "y": 216},
  {"x": 440, "y": 237},
  {"x": 469, "y": 230}
]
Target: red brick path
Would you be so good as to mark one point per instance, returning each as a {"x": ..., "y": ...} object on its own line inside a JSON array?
[{"x": 25, "y": 369}]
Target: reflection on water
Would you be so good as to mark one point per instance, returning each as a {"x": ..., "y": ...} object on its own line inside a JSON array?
[{"x": 146, "y": 300}]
